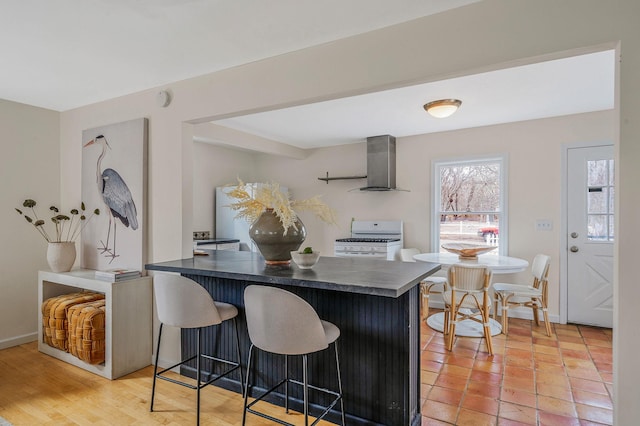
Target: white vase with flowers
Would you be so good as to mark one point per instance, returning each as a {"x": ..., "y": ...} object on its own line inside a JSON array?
[{"x": 61, "y": 250}]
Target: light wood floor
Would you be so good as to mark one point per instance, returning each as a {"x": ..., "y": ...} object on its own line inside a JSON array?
[
  {"x": 36, "y": 389},
  {"x": 565, "y": 379}
]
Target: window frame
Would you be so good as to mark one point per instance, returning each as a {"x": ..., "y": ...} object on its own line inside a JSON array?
[{"x": 436, "y": 196}]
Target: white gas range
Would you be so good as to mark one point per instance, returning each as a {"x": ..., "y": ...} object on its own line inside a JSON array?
[{"x": 371, "y": 239}]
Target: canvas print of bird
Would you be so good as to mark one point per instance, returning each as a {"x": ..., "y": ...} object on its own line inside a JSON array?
[
  {"x": 116, "y": 197},
  {"x": 114, "y": 170}
]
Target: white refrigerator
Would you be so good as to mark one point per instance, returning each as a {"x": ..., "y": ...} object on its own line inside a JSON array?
[{"x": 227, "y": 226}]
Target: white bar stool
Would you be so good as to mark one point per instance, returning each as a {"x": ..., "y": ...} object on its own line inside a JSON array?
[
  {"x": 281, "y": 322},
  {"x": 182, "y": 302}
]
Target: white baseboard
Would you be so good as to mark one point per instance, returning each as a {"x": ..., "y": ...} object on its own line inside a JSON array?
[
  {"x": 18, "y": 340},
  {"x": 528, "y": 315}
]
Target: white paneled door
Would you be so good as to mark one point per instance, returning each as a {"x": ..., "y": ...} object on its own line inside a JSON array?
[{"x": 590, "y": 235}]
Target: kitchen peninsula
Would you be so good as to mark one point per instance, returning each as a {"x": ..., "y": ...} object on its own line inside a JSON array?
[{"x": 374, "y": 303}]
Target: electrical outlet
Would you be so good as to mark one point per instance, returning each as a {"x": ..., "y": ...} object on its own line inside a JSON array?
[
  {"x": 201, "y": 235},
  {"x": 544, "y": 225}
]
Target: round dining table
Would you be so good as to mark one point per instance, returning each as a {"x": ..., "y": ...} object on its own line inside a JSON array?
[{"x": 497, "y": 264}]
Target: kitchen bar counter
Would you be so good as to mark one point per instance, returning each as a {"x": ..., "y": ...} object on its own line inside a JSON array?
[
  {"x": 345, "y": 274},
  {"x": 375, "y": 303},
  {"x": 216, "y": 241}
]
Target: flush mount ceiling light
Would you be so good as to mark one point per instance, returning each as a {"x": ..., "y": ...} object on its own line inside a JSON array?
[{"x": 443, "y": 107}]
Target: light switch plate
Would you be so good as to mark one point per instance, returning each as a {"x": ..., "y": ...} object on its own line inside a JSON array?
[{"x": 544, "y": 225}]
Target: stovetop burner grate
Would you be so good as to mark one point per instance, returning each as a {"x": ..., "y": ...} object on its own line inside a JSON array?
[{"x": 367, "y": 240}]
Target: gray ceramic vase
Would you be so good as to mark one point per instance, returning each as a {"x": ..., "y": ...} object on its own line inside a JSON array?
[{"x": 267, "y": 232}]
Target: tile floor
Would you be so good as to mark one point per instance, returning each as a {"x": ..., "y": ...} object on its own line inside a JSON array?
[{"x": 532, "y": 379}]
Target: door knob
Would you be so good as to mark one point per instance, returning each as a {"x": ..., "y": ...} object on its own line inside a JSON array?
[
  {"x": 574, "y": 235},
  {"x": 574, "y": 249}
]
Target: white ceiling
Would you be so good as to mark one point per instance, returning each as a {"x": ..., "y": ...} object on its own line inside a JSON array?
[
  {"x": 66, "y": 54},
  {"x": 566, "y": 86}
]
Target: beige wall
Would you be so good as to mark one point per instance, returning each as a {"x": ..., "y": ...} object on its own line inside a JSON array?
[
  {"x": 534, "y": 151},
  {"x": 216, "y": 166},
  {"x": 29, "y": 168},
  {"x": 488, "y": 33},
  {"x": 626, "y": 346}
]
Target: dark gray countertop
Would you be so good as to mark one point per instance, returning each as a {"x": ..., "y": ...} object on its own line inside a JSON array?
[
  {"x": 216, "y": 241},
  {"x": 349, "y": 274}
]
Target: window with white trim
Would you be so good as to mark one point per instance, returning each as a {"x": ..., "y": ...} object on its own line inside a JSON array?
[{"x": 469, "y": 202}]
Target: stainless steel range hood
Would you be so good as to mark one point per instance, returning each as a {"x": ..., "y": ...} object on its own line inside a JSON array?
[{"x": 381, "y": 164}]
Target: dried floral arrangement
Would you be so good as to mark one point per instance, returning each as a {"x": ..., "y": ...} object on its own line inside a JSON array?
[
  {"x": 270, "y": 196},
  {"x": 67, "y": 227}
]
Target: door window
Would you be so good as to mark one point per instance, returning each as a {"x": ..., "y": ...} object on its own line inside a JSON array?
[{"x": 600, "y": 200}]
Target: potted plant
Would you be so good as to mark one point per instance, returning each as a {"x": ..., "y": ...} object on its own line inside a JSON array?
[
  {"x": 276, "y": 228},
  {"x": 61, "y": 250}
]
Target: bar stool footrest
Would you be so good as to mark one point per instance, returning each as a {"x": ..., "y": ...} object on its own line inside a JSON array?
[
  {"x": 295, "y": 382},
  {"x": 201, "y": 385}
]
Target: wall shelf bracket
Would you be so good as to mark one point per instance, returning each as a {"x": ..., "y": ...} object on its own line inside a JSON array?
[{"x": 327, "y": 178}]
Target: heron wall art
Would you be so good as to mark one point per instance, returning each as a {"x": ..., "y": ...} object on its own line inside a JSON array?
[
  {"x": 117, "y": 198},
  {"x": 113, "y": 173}
]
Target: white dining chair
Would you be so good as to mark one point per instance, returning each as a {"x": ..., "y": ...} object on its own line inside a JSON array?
[
  {"x": 534, "y": 296},
  {"x": 428, "y": 286},
  {"x": 467, "y": 298}
]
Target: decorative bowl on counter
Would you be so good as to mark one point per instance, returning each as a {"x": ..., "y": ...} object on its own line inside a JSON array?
[
  {"x": 467, "y": 251},
  {"x": 305, "y": 260}
]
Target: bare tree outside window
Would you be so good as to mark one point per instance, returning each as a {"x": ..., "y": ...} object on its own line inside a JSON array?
[
  {"x": 600, "y": 200},
  {"x": 469, "y": 202}
]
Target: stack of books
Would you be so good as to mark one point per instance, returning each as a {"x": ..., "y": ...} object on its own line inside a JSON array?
[{"x": 115, "y": 275}]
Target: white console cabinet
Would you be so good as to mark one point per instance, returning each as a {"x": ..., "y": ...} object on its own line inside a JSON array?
[{"x": 128, "y": 320}]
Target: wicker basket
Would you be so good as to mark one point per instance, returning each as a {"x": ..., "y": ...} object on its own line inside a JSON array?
[
  {"x": 87, "y": 331},
  {"x": 54, "y": 316}
]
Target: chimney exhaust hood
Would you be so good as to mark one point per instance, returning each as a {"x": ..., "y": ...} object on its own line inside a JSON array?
[{"x": 381, "y": 164}]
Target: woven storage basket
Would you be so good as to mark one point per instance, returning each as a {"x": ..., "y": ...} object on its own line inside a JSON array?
[
  {"x": 87, "y": 331},
  {"x": 54, "y": 316}
]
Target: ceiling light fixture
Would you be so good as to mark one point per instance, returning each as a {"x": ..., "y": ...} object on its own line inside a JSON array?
[{"x": 443, "y": 107}]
